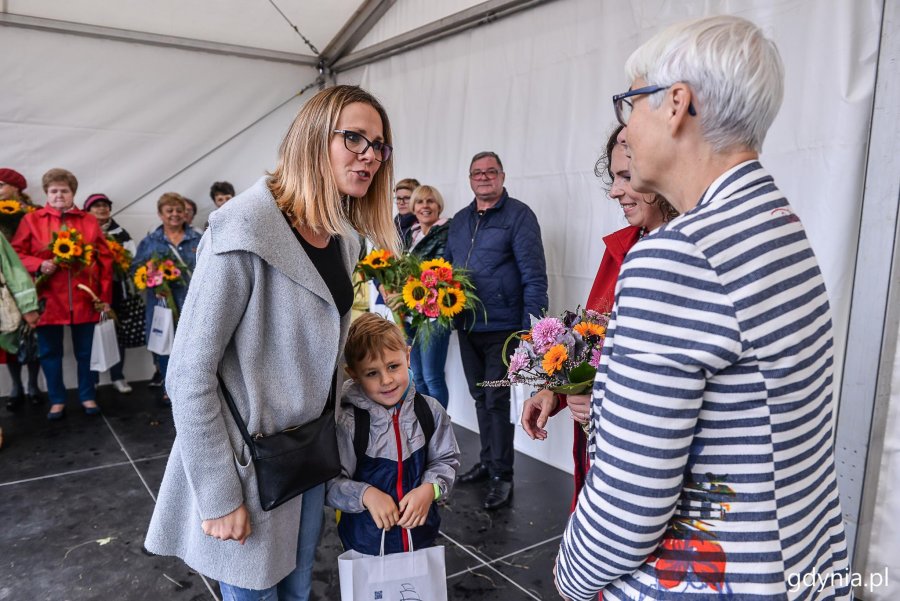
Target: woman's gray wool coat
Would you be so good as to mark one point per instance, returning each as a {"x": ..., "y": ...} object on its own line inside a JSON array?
[{"x": 258, "y": 311}]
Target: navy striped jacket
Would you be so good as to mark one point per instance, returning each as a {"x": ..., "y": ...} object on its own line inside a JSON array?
[{"x": 713, "y": 467}]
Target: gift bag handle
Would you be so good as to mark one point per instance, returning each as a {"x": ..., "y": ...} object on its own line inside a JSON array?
[{"x": 408, "y": 536}]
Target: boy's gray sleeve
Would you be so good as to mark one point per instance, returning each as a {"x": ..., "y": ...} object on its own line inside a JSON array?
[
  {"x": 443, "y": 452},
  {"x": 343, "y": 492}
]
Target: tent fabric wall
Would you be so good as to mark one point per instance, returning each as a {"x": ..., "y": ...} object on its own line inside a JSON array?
[
  {"x": 123, "y": 117},
  {"x": 536, "y": 88},
  {"x": 883, "y": 548}
]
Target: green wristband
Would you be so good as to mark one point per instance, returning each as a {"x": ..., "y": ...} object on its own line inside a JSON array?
[{"x": 437, "y": 491}]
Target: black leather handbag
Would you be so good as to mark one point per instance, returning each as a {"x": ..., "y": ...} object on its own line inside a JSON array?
[{"x": 290, "y": 462}]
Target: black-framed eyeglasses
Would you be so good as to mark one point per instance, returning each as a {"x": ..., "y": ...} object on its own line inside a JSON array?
[
  {"x": 357, "y": 143},
  {"x": 486, "y": 173},
  {"x": 623, "y": 106}
]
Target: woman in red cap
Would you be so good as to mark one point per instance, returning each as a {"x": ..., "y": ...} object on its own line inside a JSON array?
[
  {"x": 20, "y": 346},
  {"x": 65, "y": 303}
]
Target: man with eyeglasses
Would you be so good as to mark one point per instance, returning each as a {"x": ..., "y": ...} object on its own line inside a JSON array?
[
  {"x": 498, "y": 240},
  {"x": 405, "y": 218}
]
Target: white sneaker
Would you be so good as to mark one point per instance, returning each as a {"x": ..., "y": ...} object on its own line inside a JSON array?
[{"x": 122, "y": 386}]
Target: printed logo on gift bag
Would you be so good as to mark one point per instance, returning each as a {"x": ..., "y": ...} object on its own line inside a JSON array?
[{"x": 408, "y": 592}]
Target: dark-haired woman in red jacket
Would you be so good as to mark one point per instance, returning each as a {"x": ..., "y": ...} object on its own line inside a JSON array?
[
  {"x": 644, "y": 213},
  {"x": 64, "y": 303}
]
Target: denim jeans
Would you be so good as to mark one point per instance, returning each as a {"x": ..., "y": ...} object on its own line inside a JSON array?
[
  {"x": 162, "y": 363},
  {"x": 427, "y": 362},
  {"x": 50, "y": 350},
  {"x": 296, "y": 585}
]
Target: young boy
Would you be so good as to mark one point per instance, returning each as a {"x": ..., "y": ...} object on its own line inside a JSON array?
[{"x": 382, "y": 418}]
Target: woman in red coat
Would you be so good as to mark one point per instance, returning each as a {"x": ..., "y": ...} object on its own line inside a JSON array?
[
  {"x": 644, "y": 213},
  {"x": 63, "y": 302}
]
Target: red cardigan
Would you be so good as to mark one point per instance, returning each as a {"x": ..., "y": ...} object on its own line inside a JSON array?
[{"x": 600, "y": 299}]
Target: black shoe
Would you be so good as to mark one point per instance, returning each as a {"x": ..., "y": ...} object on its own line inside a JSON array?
[
  {"x": 14, "y": 403},
  {"x": 479, "y": 473},
  {"x": 156, "y": 381},
  {"x": 34, "y": 399},
  {"x": 499, "y": 494}
]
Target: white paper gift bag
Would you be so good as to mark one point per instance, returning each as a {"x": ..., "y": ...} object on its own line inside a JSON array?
[
  {"x": 416, "y": 575},
  {"x": 105, "y": 346},
  {"x": 162, "y": 331}
]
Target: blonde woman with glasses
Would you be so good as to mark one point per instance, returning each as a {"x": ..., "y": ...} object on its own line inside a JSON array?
[{"x": 268, "y": 310}]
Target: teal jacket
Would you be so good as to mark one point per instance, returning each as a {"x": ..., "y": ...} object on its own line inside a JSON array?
[{"x": 20, "y": 284}]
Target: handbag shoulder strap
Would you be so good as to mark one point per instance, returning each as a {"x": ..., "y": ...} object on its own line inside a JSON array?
[
  {"x": 242, "y": 426},
  {"x": 234, "y": 412}
]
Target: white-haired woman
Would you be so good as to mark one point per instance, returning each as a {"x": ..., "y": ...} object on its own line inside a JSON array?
[
  {"x": 713, "y": 467},
  {"x": 268, "y": 309}
]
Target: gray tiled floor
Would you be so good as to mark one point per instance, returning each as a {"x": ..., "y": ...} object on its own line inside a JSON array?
[{"x": 76, "y": 497}]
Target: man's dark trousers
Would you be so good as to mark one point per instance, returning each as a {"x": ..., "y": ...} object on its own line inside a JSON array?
[{"x": 482, "y": 359}]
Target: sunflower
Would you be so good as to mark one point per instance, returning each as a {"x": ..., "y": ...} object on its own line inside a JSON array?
[
  {"x": 169, "y": 271},
  {"x": 451, "y": 301},
  {"x": 414, "y": 293},
  {"x": 587, "y": 329},
  {"x": 554, "y": 359},
  {"x": 63, "y": 248},
  {"x": 435, "y": 263},
  {"x": 10, "y": 207},
  {"x": 140, "y": 277},
  {"x": 377, "y": 259}
]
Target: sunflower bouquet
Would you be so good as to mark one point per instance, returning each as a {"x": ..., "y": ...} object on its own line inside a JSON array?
[
  {"x": 158, "y": 275},
  {"x": 121, "y": 258},
  {"x": 12, "y": 211},
  {"x": 385, "y": 269},
  {"x": 558, "y": 353},
  {"x": 434, "y": 293},
  {"x": 382, "y": 267},
  {"x": 69, "y": 252}
]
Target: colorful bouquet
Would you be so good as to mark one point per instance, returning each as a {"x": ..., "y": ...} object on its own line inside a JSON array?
[
  {"x": 386, "y": 270},
  {"x": 383, "y": 267},
  {"x": 434, "y": 294},
  {"x": 158, "y": 275},
  {"x": 69, "y": 252},
  {"x": 558, "y": 353},
  {"x": 121, "y": 258}
]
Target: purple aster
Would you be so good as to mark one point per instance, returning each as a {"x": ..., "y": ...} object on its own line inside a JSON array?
[
  {"x": 517, "y": 363},
  {"x": 595, "y": 358},
  {"x": 545, "y": 332}
]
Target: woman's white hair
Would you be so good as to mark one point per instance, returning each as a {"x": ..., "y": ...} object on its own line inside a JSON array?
[{"x": 733, "y": 70}]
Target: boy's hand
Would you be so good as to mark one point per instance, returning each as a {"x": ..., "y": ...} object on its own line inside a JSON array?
[
  {"x": 382, "y": 507},
  {"x": 414, "y": 506}
]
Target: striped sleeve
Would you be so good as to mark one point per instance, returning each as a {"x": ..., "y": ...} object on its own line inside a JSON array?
[{"x": 673, "y": 327}]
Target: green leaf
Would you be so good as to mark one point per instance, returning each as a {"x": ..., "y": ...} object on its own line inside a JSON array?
[{"x": 582, "y": 373}]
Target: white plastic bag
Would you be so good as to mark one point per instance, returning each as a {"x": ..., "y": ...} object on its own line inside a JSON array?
[
  {"x": 105, "y": 346},
  {"x": 418, "y": 574},
  {"x": 162, "y": 331}
]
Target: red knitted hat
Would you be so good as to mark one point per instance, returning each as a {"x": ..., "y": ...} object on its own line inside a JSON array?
[{"x": 13, "y": 178}]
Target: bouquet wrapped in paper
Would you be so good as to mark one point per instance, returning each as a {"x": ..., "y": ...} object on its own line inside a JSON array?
[
  {"x": 434, "y": 293},
  {"x": 558, "y": 353}
]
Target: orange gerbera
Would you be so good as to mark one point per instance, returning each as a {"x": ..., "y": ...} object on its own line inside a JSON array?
[
  {"x": 586, "y": 328},
  {"x": 554, "y": 359}
]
